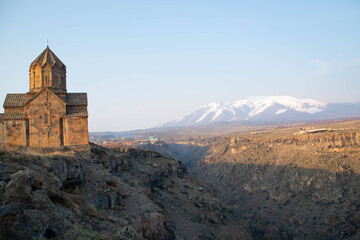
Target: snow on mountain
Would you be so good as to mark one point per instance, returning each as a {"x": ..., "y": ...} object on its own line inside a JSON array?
[{"x": 265, "y": 109}]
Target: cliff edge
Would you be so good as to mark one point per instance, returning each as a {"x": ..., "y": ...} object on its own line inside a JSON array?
[{"x": 115, "y": 194}]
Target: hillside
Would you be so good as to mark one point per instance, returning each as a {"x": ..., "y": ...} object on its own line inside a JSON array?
[
  {"x": 286, "y": 186},
  {"x": 115, "y": 194},
  {"x": 300, "y": 186}
]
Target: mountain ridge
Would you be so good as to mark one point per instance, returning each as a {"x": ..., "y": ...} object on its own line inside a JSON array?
[{"x": 266, "y": 109}]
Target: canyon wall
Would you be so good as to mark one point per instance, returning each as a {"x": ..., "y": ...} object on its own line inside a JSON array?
[
  {"x": 290, "y": 187},
  {"x": 285, "y": 187}
]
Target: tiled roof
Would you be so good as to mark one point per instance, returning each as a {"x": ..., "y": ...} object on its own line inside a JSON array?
[
  {"x": 47, "y": 56},
  {"x": 15, "y": 99},
  {"x": 13, "y": 116},
  {"x": 20, "y": 99},
  {"x": 77, "y": 114},
  {"x": 76, "y": 99}
]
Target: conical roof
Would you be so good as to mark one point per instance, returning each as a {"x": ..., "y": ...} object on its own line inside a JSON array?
[{"x": 47, "y": 56}]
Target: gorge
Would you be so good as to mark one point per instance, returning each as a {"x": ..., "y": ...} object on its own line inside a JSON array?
[{"x": 286, "y": 186}]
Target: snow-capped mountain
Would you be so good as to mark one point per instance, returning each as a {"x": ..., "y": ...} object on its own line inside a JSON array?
[{"x": 267, "y": 109}]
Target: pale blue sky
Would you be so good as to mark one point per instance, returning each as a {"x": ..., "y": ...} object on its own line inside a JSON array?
[{"x": 146, "y": 62}]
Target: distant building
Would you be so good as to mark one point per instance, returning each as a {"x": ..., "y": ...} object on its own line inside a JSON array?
[
  {"x": 46, "y": 117},
  {"x": 153, "y": 140},
  {"x": 301, "y": 132}
]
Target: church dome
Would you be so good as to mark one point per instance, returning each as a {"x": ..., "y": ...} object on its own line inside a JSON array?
[
  {"x": 49, "y": 57},
  {"x": 48, "y": 71}
]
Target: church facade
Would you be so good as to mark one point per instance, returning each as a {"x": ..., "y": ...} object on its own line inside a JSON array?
[{"x": 46, "y": 117}]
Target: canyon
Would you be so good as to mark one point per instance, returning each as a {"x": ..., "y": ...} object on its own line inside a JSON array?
[
  {"x": 265, "y": 182},
  {"x": 286, "y": 183}
]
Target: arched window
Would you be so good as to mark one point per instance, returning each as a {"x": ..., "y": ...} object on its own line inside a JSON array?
[{"x": 33, "y": 80}]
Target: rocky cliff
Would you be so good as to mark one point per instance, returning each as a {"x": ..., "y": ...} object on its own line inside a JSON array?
[
  {"x": 115, "y": 194},
  {"x": 285, "y": 186},
  {"x": 303, "y": 187},
  {"x": 187, "y": 151}
]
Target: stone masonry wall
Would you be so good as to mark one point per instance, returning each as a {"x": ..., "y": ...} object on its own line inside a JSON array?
[
  {"x": 9, "y": 110},
  {"x": 2, "y": 135},
  {"x": 76, "y": 131},
  {"x": 15, "y": 133},
  {"x": 44, "y": 114}
]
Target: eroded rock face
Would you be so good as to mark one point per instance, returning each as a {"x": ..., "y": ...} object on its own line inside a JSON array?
[
  {"x": 289, "y": 187},
  {"x": 285, "y": 186},
  {"x": 32, "y": 192},
  {"x": 117, "y": 194}
]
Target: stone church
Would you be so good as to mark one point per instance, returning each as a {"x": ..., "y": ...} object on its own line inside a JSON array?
[{"x": 47, "y": 118}]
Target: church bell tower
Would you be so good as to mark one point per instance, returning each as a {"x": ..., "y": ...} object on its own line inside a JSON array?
[{"x": 47, "y": 71}]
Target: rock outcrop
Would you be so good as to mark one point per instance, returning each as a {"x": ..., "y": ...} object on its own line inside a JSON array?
[
  {"x": 284, "y": 186},
  {"x": 115, "y": 194},
  {"x": 303, "y": 187}
]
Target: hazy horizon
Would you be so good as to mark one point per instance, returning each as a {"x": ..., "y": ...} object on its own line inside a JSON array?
[{"x": 147, "y": 62}]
